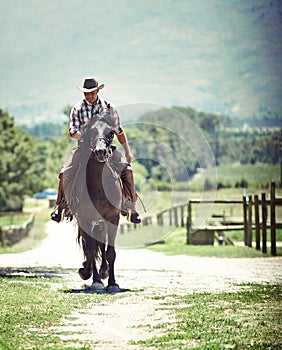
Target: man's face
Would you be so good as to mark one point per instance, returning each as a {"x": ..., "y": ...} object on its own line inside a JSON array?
[{"x": 91, "y": 97}]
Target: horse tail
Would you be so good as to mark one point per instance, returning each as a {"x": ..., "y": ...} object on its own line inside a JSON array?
[
  {"x": 89, "y": 244},
  {"x": 93, "y": 244},
  {"x": 79, "y": 236}
]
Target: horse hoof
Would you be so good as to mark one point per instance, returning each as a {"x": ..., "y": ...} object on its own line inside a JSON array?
[
  {"x": 97, "y": 286},
  {"x": 113, "y": 289},
  {"x": 104, "y": 273},
  {"x": 85, "y": 275}
]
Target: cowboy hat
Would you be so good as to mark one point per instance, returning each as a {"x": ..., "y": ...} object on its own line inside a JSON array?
[{"x": 89, "y": 85}]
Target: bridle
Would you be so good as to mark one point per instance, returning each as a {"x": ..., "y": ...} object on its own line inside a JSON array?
[{"x": 101, "y": 148}]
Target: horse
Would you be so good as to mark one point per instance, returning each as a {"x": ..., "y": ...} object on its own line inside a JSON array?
[{"x": 97, "y": 207}]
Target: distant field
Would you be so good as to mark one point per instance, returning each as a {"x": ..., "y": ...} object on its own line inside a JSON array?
[{"x": 256, "y": 176}]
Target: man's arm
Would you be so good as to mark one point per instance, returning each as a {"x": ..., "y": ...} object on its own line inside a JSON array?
[
  {"x": 76, "y": 135},
  {"x": 120, "y": 134},
  {"x": 74, "y": 129},
  {"x": 122, "y": 139}
]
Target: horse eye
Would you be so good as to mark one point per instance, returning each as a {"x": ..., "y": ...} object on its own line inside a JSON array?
[{"x": 110, "y": 136}]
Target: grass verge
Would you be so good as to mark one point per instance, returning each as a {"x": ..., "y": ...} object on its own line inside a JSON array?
[
  {"x": 36, "y": 235},
  {"x": 13, "y": 219},
  {"x": 175, "y": 244},
  {"x": 31, "y": 310},
  {"x": 249, "y": 318},
  {"x": 34, "y": 238}
]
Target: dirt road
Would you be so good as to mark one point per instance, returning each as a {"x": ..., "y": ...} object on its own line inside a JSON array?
[{"x": 143, "y": 274}]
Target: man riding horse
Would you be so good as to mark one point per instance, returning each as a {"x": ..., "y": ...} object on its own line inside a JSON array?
[{"x": 88, "y": 108}]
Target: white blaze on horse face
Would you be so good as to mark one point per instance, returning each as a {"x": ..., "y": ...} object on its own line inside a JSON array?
[{"x": 101, "y": 150}]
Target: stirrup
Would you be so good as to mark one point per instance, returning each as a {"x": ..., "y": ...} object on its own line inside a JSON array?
[
  {"x": 58, "y": 215},
  {"x": 61, "y": 211}
]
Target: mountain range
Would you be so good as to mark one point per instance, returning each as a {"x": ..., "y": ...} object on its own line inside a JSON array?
[{"x": 213, "y": 55}]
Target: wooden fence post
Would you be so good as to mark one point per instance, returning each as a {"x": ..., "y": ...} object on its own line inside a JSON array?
[
  {"x": 250, "y": 219},
  {"x": 2, "y": 237},
  {"x": 182, "y": 215},
  {"x": 256, "y": 202},
  {"x": 245, "y": 219},
  {"x": 272, "y": 219},
  {"x": 264, "y": 222},
  {"x": 160, "y": 219},
  {"x": 189, "y": 223},
  {"x": 170, "y": 217},
  {"x": 175, "y": 214}
]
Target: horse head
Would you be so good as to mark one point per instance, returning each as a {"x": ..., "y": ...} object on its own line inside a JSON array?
[{"x": 99, "y": 138}]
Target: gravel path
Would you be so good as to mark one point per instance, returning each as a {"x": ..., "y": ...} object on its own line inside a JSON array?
[{"x": 143, "y": 274}]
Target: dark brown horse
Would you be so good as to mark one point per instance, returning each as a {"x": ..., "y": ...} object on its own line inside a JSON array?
[{"x": 97, "y": 203}]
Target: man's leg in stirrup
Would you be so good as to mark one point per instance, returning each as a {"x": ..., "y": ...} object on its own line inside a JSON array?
[
  {"x": 62, "y": 209},
  {"x": 66, "y": 177},
  {"x": 130, "y": 194}
]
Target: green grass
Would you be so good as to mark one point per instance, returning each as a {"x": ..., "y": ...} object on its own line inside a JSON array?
[
  {"x": 175, "y": 244},
  {"x": 30, "y": 306},
  {"x": 248, "y": 318},
  {"x": 155, "y": 201},
  {"x": 257, "y": 176},
  {"x": 237, "y": 236},
  {"x": 36, "y": 235},
  {"x": 14, "y": 219},
  {"x": 38, "y": 229},
  {"x": 32, "y": 310}
]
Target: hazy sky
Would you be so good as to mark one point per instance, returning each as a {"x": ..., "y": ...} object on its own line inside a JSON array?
[{"x": 209, "y": 54}]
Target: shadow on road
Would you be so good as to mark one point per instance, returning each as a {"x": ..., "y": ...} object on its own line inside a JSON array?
[
  {"x": 32, "y": 272},
  {"x": 87, "y": 290}
]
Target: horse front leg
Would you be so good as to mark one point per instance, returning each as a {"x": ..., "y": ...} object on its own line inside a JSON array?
[
  {"x": 111, "y": 257},
  {"x": 111, "y": 254},
  {"x": 97, "y": 282},
  {"x": 91, "y": 248},
  {"x": 86, "y": 271},
  {"x": 103, "y": 272},
  {"x": 104, "y": 269}
]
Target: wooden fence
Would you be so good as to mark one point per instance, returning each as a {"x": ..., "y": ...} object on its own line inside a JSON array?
[
  {"x": 261, "y": 223},
  {"x": 215, "y": 226},
  {"x": 249, "y": 220}
]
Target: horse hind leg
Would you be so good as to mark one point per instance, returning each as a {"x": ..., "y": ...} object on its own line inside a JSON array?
[
  {"x": 97, "y": 284},
  {"x": 86, "y": 271},
  {"x": 104, "y": 269},
  {"x": 99, "y": 232}
]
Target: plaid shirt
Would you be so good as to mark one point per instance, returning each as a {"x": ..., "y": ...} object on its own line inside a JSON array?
[{"x": 83, "y": 111}]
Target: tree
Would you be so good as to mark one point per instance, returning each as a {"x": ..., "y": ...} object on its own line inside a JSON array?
[
  {"x": 22, "y": 164},
  {"x": 59, "y": 149}
]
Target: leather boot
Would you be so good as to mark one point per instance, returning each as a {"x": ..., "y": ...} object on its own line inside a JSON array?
[
  {"x": 130, "y": 196},
  {"x": 62, "y": 209}
]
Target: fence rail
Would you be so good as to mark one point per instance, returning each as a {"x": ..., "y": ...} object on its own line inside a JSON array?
[{"x": 249, "y": 221}]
